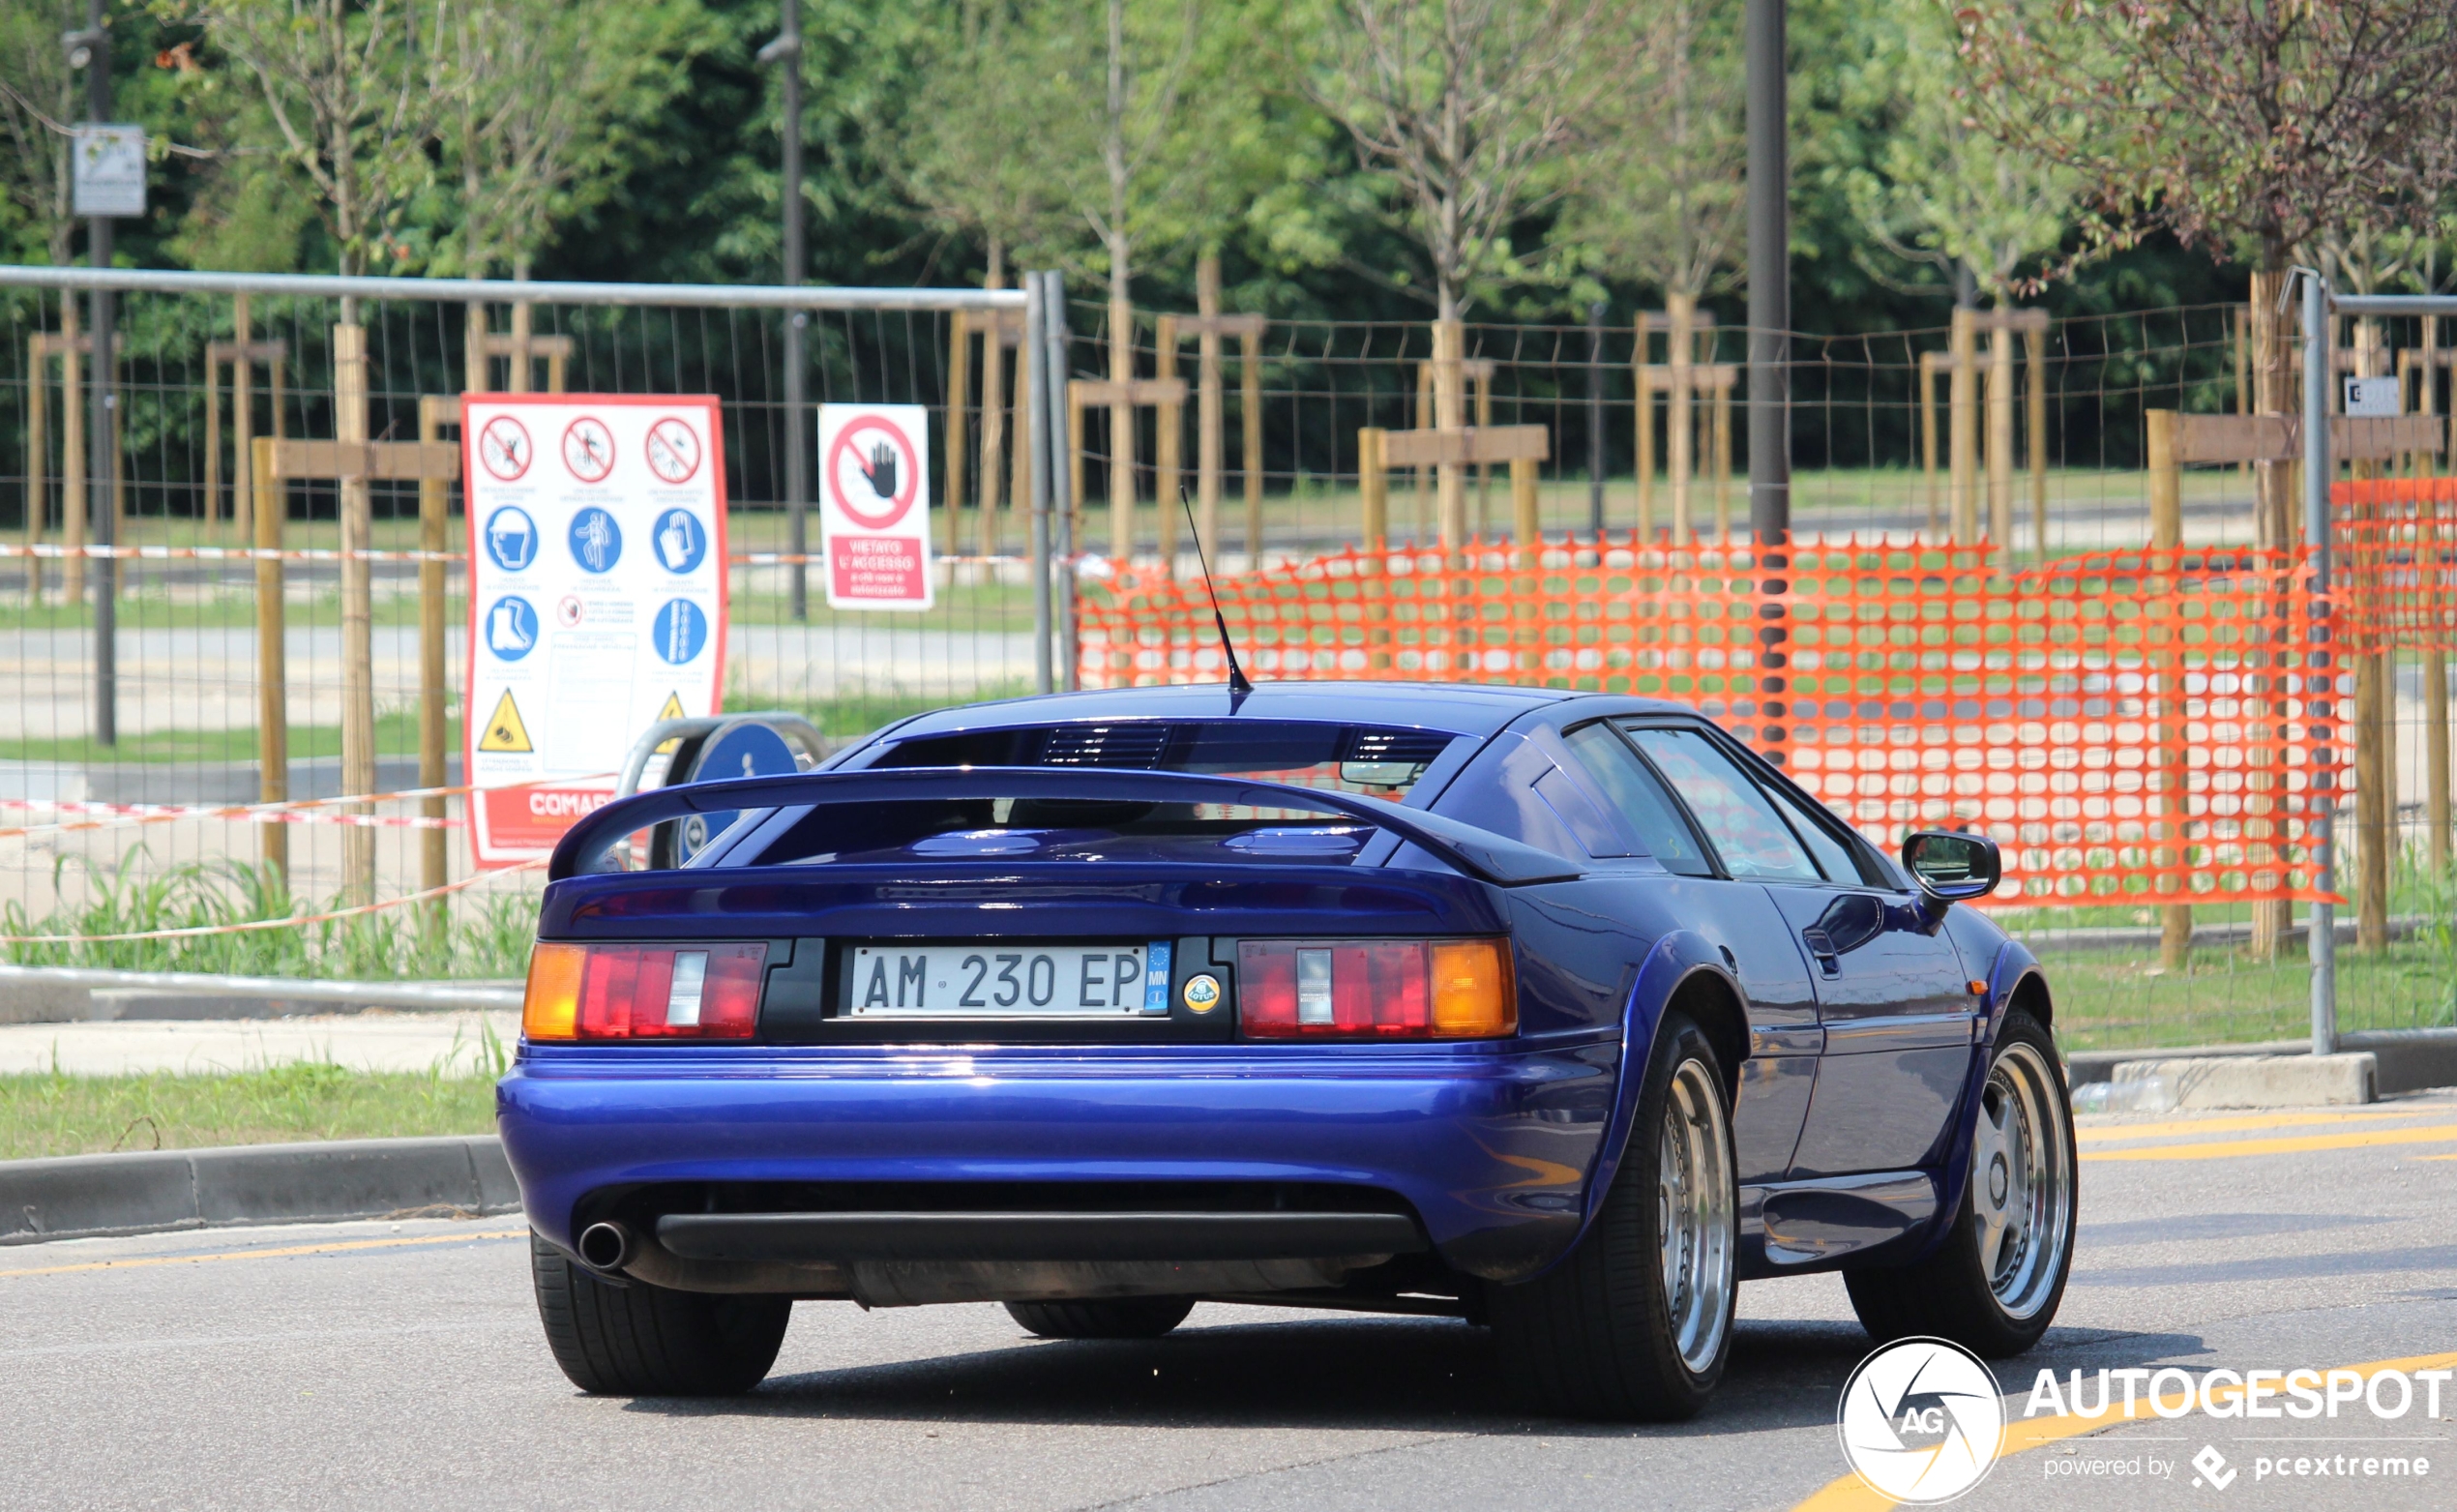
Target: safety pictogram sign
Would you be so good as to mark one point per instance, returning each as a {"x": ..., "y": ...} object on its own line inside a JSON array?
[
  {"x": 874, "y": 505},
  {"x": 597, "y": 598},
  {"x": 504, "y": 729}
]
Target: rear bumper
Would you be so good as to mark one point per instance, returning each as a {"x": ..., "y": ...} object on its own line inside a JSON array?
[{"x": 1489, "y": 1146}]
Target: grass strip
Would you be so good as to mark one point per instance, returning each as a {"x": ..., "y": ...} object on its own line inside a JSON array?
[{"x": 50, "y": 1114}]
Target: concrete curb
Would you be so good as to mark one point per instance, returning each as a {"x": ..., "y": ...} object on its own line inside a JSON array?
[
  {"x": 2408, "y": 1060},
  {"x": 83, "y": 994},
  {"x": 87, "y": 1197},
  {"x": 2260, "y": 1081}
]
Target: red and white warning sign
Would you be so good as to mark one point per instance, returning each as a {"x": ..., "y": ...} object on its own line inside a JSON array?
[
  {"x": 597, "y": 605},
  {"x": 874, "y": 505}
]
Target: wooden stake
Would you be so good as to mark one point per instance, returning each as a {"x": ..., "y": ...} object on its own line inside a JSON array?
[
  {"x": 2000, "y": 442},
  {"x": 1678, "y": 427},
  {"x": 73, "y": 520},
  {"x": 993, "y": 416},
  {"x": 358, "y": 645},
  {"x": 1450, "y": 413},
  {"x": 1169, "y": 428},
  {"x": 1930, "y": 365},
  {"x": 959, "y": 429},
  {"x": 2038, "y": 428},
  {"x": 1121, "y": 434},
  {"x": 2167, "y": 534},
  {"x": 1525, "y": 527},
  {"x": 1250, "y": 438},
  {"x": 1961, "y": 418},
  {"x": 1208, "y": 416},
  {"x": 273, "y": 698},
  {"x": 1373, "y": 487},
  {"x": 38, "y": 459},
  {"x": 243, "y": 422}
]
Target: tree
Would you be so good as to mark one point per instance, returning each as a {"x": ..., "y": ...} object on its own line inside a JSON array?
[
  {"x": 38, "y": 98},
  {"x": 542, "y": 101},
  {"x": 958, "y": 156},
  {"x": 1941, "y": 192},
  {"x": 1658, "y": 192},
  {"x": 350, "y": 109},
  {"x": 1465, "y": 105}
]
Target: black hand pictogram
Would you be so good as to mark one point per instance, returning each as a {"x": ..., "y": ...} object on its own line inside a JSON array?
[{"x": 881, "y": 470}]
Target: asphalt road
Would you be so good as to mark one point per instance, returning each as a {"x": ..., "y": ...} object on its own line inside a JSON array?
[{"x": 383, "y": 1365}]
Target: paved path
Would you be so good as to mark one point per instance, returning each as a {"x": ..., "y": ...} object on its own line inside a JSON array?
[
  {"x": 400, "y": 1366},
  {"x": 369, "y": 1040}
]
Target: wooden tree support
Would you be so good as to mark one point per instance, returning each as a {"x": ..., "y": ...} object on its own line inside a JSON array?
[
  {"x": 999, "y": 331},
  {"x": 1965, "y": 461},
  {"x": 1211, "y": 420},
  {"x": 1522, "y": 447},
  {"x": 240, "y": 356},
  {"x": 1167, "y": 395},
  {"x": 1685, "y": 328}
]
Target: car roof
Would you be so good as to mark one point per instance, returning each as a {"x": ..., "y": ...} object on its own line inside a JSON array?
[{"x": 1457, "y": 708}]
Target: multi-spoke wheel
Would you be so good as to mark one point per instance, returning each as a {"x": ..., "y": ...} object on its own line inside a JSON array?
[
  {"x": 1636, "y": 1322},
  {"x": 1995, "y": 1282}
]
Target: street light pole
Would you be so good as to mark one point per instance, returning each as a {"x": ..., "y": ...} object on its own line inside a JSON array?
[
  {"x": 786, "y": 49},
  {"x": 1769, "y": 275}
]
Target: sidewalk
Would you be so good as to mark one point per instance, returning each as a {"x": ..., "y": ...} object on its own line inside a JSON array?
[{"x": 368, "y": 1041}]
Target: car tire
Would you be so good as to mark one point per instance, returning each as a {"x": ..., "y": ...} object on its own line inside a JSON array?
[
  {"x": 637, "y": 1340},
  {"x": 1116, "y": 1317},
  {"x": 1635, "y": 1324},
  {"x": 1994, "y": 1283}
]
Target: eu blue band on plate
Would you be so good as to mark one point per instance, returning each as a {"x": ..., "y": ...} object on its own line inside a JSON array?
[{"x": 1156, "y": 977}]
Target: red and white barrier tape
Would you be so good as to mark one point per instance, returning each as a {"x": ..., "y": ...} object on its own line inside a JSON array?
[
  {"x": 294, "y": 811},
  {"x": 252, "y": 925}
]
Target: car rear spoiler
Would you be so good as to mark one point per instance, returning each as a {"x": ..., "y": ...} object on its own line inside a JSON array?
[{"x": 1477, "y": 852}]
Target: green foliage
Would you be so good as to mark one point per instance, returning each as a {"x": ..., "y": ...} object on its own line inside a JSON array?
[
  {"x": 489, "y": 938},
  {"x": 50, "y": 1114}
]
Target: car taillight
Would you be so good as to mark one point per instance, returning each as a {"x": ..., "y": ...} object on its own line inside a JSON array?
[
  {"x": 1377, "y": 989},
  {"x": 642, "y": 992}
]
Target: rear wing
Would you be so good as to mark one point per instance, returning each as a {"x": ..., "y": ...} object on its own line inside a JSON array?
[{"x": 1477, "y": 852}]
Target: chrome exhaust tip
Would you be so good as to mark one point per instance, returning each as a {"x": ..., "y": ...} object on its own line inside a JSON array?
[{"x": 605, "y": 1247}]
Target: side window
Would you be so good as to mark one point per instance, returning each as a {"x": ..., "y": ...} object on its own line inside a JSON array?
[
  {"x": 1833, "y": 857},
  {"x": 1735, "y": 810},
  {"x": 1632, "y": 788}
]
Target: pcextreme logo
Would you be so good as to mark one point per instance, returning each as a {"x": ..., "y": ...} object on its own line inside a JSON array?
[{"x": 1921, "y": 1421}]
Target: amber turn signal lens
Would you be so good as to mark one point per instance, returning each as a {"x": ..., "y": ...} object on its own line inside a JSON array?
[
  {"x": 552, "y": 1010},
  {"x": 1474, "y": 989}
]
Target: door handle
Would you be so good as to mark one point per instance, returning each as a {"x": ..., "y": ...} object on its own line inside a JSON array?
[{"x": 1822, "y": 946}]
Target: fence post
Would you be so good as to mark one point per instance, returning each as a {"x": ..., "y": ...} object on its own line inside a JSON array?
[
  {"x": 1723, "y": 452},
  {"x": 2001, "y": 438},
  {"x": 1209, "y": 459},
  {"x": 1042, "y": 458},
  {"x": 2321, "y": 680},
  {"x": 1373, "y": 486},
  {"x": 1961, "y": 420},
  {"x": 1169, "y": 425},
  {"x": 1121, "y": 433},
  {"x": 1450, "y": 413},
  {"x": 2167, "y": 534},
  {"x": 273, "y": 698},
  {"x": 1678, "y": 425},
  {"x": 1643, "y": 378},
  {"x": 1523, "y": 504},
  {"x": 358, "y": 641},
  {"x": 1250, "y": 438},
  {"x": 435, "y": 517},
  {"x": 959, "y": 427},
  {"x": 2038, "y": 428}
]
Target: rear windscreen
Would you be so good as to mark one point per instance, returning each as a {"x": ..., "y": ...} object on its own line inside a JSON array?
[
  {"x": 1373, "y": 762},
  {"x": 1357, "y": 759}
]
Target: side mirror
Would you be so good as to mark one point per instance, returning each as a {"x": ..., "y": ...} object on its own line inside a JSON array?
[{"x": 1952, "y": 867}]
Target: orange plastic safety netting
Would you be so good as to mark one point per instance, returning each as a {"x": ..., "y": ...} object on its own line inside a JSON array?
[
  {"x": 2396, "y": 571},
  {"x": 2138, "y": 727}
]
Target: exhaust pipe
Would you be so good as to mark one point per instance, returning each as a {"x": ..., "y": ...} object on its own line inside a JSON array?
[{"x": 605, "y": 1247}]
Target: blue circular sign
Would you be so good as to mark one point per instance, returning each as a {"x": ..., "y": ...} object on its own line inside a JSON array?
[
  {"x": 680, "y": 540},
  {"x": 510, "y": 628},
  {"x": 597, "y": 542},
  {"x": 680, "y": 631},
  {"x": 511, "y": 538},
  {"x": 742, "y": 751}
]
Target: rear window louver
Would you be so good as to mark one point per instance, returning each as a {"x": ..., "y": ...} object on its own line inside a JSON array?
[
  {"x": 1134, "y": 746},
  {"x": 1395, "y": 745}
]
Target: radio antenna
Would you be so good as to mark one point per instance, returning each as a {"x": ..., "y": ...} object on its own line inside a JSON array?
[{"x": 1238, "y": 686}]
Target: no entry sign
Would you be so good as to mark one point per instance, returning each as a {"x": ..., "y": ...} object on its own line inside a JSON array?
[
  {"x": 597, "y": 603},
  {"x": 874, "y": 505}
]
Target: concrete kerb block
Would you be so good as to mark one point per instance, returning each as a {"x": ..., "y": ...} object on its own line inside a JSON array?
[
  {"x": 2262, "y": 1081},
  {"x": 97, "y": 1196}
]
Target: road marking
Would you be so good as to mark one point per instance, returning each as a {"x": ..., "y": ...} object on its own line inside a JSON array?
[
  {"x": 1851, "y": 1494},
  {"x": 2297, "y": 1120},
  {"x": 2219, "y": 1150},
  {"x": 240, "y": 1255}
]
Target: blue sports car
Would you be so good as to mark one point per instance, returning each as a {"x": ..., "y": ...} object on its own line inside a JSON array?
[{"x": 1563, "y": 1014}]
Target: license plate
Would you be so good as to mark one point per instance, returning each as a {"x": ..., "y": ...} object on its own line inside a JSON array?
[{"x": 987, "y": 980}]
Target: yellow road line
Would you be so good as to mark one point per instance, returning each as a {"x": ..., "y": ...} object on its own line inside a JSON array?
[
  {"x": 240, "y": 1255},
  {"x": 1851, "y": 1494},
  {"x": 2237, "y": 1125},
  {"x": 2221, "y": 1149}
]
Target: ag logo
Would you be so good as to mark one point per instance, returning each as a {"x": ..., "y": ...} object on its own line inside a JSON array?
[{"x": 1921, "y": 1421}]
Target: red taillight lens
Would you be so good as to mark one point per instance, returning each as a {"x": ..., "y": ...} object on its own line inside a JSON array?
[
  {"x": 1376, "y": 988},
  {"x": 643, "y": 991}
]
